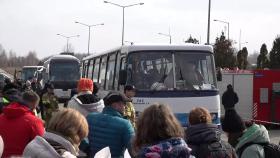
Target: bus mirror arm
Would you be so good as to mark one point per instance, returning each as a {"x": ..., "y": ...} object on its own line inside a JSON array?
[{"x": 122, "y": 77}]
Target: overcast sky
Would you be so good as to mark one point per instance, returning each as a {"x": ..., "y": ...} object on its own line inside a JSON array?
[{"x": 33, "y": 24}]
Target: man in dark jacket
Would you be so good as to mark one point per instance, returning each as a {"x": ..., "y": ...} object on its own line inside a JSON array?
[
  {"x": 204, "y": 138},
  {"x": 229, "y": 98},
  {"x": 109, "y": 128}
]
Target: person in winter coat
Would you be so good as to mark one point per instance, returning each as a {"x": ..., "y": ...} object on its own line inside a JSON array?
[
  {"x": 229, "y": 98},
  {"x": 64, "y": 133},
  {"x": 1, "y": 146},
  {"x": 85, "y": 102},
  {"x": 240, "y": 137},
  {"x": 109, "y": 128},
  {"x": 50, "y": 103},
  {"x": 129, "y": 113},
  {"x": 204, "y": 138},
  {"x": 159, "y": 135},
  {"x": 19, "y": 125}
]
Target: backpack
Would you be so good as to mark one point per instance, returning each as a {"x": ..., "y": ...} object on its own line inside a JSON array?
[
  {"x": 217, "y": 149},
  {"x": 270, "y": 149}
]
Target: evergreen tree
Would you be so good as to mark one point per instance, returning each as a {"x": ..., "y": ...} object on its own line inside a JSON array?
[
  {"x": 262, "y": 61},
  {"x": 275, "y": 54},
  {"x": 224, "y": 53},
  {"x": 192, "y": 40}
]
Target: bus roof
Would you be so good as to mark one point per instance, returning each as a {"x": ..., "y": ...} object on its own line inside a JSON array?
[
  {"x": 62, "y": 57},
  {"x": 26, "y": 67},
  {"x": 132, "y": 48}
]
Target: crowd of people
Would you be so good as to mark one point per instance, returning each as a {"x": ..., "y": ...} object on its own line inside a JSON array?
[{"x": 90, "y": 123}]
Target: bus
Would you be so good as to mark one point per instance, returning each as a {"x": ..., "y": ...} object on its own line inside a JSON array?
[
  {"x": 182, "y": 76},
  {"x": 63, "y": 71},
  {"x": 28, "y": 72}
]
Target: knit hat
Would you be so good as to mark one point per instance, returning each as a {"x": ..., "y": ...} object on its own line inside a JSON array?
[
  {"x": 85, "y": 84},
  {"x": 113, "y": 97},
  {"x": 232, "y": 122}
]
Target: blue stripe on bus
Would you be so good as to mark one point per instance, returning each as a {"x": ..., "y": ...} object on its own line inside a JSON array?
[
  {"x": 183, "y": 118},
  {"x": 176, "y": 93}
]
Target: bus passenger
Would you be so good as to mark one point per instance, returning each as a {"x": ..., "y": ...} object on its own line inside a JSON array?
[
  {"x": 86, "y": 102},
  {"x": 159, "y": 134}
]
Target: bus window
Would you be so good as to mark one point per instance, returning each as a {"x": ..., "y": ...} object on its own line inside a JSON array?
[
  {"x": 96, "y": 70},
  {"x": 117, "y": 69},
  {"x": 90, "y": 69},
  {"x": 110, "y": 72},
  {"x": 103, "y": 72}
]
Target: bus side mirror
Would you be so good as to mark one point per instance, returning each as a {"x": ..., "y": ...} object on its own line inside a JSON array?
[
  {"x": 122, "y": 77},
  {"x": 219, "y": 76}
]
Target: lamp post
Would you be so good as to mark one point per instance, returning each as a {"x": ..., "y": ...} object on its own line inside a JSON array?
[
  {"x": 167, "y": 35},
  {"x": 89, "y": 29},
  {"x": 225, "y": 23},
  {"x": 67, "y": 38},
  {"x": 123, "y": 7},
  {"x": 209, "y": 16}
]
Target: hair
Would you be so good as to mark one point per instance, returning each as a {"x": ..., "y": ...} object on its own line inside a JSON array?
[
  {"x": 199, "y": 115},
  {"x": 129, "y": 88},
  {"x": 30, "y": 97},
  {"x": 155, "y": 124},
  {"x": 70, "y": 124},
  {"x": 96, "y": 88}
]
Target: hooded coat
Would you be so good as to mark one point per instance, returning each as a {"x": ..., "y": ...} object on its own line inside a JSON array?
[
  {"x": 171, "y": 148},
  {"x": 85, "y": 103},
  {"x": 18, "y": 125},
  {"x": 254, "y": 134},
  {"x": 200, "y": 134},
  {"x": 229, "y": 99},
  {"x": 50, "y": 146}
]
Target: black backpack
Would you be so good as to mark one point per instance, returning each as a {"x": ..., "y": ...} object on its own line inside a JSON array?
[
  {"x": 270, "y": 150},
  {"x": 217, "y": 149}
]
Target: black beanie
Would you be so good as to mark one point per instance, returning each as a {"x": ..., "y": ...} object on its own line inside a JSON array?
[{"x": 232, "y": 122}]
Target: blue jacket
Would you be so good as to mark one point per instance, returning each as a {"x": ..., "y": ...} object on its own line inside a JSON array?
[{"x": 109, "y": 128}]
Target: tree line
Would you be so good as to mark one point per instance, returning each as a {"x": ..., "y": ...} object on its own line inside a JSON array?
[{"x": 226, "y": 56}]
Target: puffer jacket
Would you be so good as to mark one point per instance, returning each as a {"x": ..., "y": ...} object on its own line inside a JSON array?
[
  {"x": 86, "y": 103},
  {"x": 254, "y": 134},
  {"x": 109, "y": 128},
  {"x": 18, "y": 125},
  {"x": 50, "y": 146},
  {"x": 208, "y": 134},
  {"x": 171, "y": 148}
]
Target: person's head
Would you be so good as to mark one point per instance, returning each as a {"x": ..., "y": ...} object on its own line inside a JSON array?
[
  {"x": 8, "y": 81},
  {"x": 229, "y": 87},
  {"x": 70, "y": 124},
  {"x": 31, "y": 99},
  {"x": 50, "y": 88},
  {"x": 155, "y": 124},
  {"x": 116, "y": 100},
  {"x": 95, "y": 89},
  {"x": 129, "y": 91},
  {"x": 199, "y": 115},
  {"x": 85, "y": 85},
  {"x": 232, "y": 122}
]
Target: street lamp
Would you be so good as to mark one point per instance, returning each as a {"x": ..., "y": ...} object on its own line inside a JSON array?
[
  {"x": 167, "y": 35},
  {"x": 89, "y": 27},
  {"x": 131, "y": 43},
  {"x": 67, "y": 38},
  {"x": 123, "y": 7},
  {"x": 209, "y": 16},
  {"x": 225, "y": 23}
]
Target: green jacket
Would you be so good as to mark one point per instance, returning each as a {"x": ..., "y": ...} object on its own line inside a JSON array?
[{"x": 254, "y": 134}]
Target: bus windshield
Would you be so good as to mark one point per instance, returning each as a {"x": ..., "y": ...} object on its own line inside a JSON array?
[
  {"x": 28, "y": 73},
  {"x": 64, "y": 71},
  {"x": 171, "y": 70}
]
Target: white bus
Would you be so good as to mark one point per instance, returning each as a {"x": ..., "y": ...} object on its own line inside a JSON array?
[
  {"x": 63, "y": 71},
  {"x": 182, "y": 76},
  {"x": 28, "y": 72}
]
